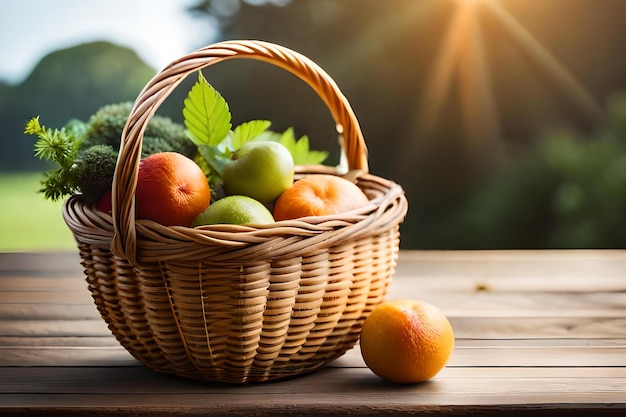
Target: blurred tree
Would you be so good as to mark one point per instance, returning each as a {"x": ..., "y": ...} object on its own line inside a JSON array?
[
  {"x": 567, "y": 190},
  {"x": 381, "y": 55},
  {"x": 66, "y": 84}
]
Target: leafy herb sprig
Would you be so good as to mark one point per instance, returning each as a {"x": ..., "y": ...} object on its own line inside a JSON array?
[
  {"x": 61, "y": 147},
  {"x": 208, "y": 121}
]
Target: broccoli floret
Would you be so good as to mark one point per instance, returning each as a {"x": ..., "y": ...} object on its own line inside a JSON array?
[
  {"x": 105, "y": 126},
  {"x": 161, "y": 135},
  {"x": 172, "y": 133},
  {"x": 154, "y": 144},
  {"x": 86, "y": 152},
  {"x": 93, "y": 171}
]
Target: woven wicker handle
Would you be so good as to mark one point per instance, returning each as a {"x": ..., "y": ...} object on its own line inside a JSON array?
[{"x": 159, "y": 88}]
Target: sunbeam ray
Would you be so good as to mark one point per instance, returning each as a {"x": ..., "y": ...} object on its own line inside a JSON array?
[
  {"x": 440, "y": 78},
  {"x": 462, "y": 59},
  {"x": 480, "y": 117},
  {"x": 542, "y": 57}
]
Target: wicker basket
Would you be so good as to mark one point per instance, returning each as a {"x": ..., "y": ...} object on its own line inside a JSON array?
[{"x": 236, "y": 303}]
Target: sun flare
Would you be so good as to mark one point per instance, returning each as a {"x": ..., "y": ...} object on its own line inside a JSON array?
[{"x": 462, "y": 61}]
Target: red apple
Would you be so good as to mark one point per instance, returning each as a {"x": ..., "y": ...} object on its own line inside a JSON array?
[
  {"x": 105, "y": 203},
  {"x": 171, "y": 189}
]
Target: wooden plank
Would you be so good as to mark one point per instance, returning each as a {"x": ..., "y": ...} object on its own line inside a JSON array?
[
  {"x": 48, "y": 311},
  {"x": 508, "y": 281},
  {"x": 525, "y": 256},
  {"x": 56, "y": 297},
  {"x": 332, "y": 382},
  {"x": 537, "y": 332},
  {"x": 42, "y": 284},
  {"x": 197, "y": 405},
  {"x": 538, "y": 327},
  {"x": 535, "y": 357},
  {"x": 25, "y": 342},
  {"x": 544, "y": 303},
  {"x": 507, "y": 303},
  {"x": 553, "y": 269},
  {"x": 490, "y": 304},
  {"x": 487, "y": 354},
  {"x": 59, "y": 341},
  {"x": 520, "y": 356},
  {"x": 515, "y": 270},
  {"x": 421, "y": 274},
  {"x": 483, "y": 354},
  {"x": 465, "y": 327},
  {"x": 109, "y": 340},
  {"x": 112, "y": 386},
  {"x": 47, "y": 328},
  {"x": 66, "y": 356},
  {"x": 607, "y": 260},
  {"x": 586, "y": 262},
  {"x": 47, "y": 264},
  {"x": 449, "y": 372},
  {"x": 455, "y": 301},
  {"x": 63, "y": 304},
  {"x": 531, "y": 343}
]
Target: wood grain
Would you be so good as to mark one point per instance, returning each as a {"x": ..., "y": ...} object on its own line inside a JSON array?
[{"x": 537, "y": 332}]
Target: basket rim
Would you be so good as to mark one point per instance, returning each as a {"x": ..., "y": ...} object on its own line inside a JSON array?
[{"x": 285, "y": 238}]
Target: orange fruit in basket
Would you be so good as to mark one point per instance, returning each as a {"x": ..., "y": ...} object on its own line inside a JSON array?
[
  {"x": 171, "y": 189},
  {"x": 406, "y": 341},
  {"x": 318, "y": 195}
]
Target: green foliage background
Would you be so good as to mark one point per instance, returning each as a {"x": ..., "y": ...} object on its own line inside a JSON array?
[
  {"x": 567, "y": 190},
  {"x": 27, "y": 221},
  {"x": 561, "y": 183},
  {"x": 70, "y": 83}
]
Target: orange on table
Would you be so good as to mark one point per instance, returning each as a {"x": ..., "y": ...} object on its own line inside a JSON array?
[
  {"x": 318, "y": 195},
  {"x": 406, "y": 341}
]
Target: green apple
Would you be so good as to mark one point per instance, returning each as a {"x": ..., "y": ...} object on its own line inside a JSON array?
[
  {"x": 259, "y": 169},
  {"x": 234, "y": 209}
]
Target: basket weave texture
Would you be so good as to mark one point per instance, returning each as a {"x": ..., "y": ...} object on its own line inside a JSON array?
[{"x": 234, "y": 303}]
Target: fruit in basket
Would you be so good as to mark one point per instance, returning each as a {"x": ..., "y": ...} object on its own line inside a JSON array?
[
  {"x": 171, "y": 189},
  {"x": 406, "y": 341},
  {"x": 105, "y": 203},
  {"x": 234, "y": 209},
  {"x": 318, "y": 195},
  {"x": 259, "y": 169}
]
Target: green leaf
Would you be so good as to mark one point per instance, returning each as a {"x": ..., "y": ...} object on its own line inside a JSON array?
[
  {"x": 270, "y": 136},
  {"x": 216, "y": 159},
  {"x": 300, "y": 151},
  {"x": 246, "y": 132},
  {"x": 206, "y": 114}
]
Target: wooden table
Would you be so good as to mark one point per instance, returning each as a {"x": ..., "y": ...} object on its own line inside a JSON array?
[{"x": 541, "y": 333}]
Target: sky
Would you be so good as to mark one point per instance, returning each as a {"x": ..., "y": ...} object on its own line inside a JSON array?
[{"x": 158, "y": 30}]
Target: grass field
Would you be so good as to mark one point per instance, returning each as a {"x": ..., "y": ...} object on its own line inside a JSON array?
[{"x": 28, "y": 222}]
